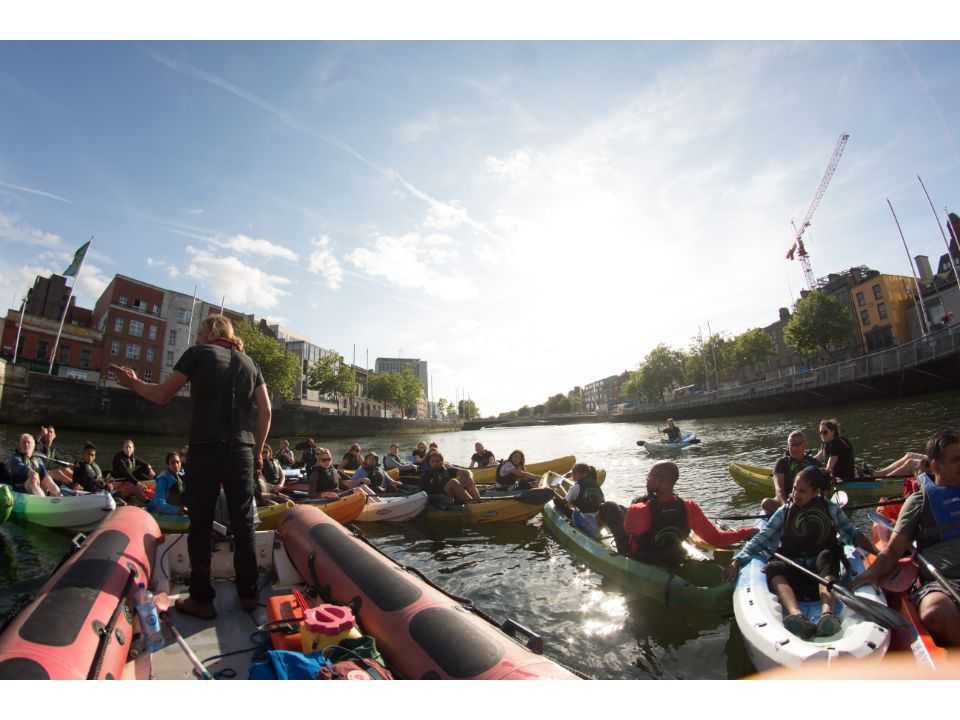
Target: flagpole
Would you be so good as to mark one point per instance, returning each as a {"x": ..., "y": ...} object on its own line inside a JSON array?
[
  {"x": 918, "y": 305},
  {"x": 76, "y": 279},
  {"x": 193, "y": 309},
  {"x": 16, "y": 346},
  {"x": 946, "y": 242}
]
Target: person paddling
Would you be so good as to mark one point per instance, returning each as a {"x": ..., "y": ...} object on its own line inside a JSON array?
[
  {"x": 804, "y": 530},
  {"x": 931, "y": 518},
  {"x": 654, "y": 527},
  {"x": 231, "y": 419},
  {"x": 672, "y": 432},
  {"x": 583, "y": 500},
  {"x": 795, "y": 459}
]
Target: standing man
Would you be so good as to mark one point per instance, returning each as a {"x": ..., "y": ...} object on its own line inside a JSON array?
[{"x": 230, "y": 423}]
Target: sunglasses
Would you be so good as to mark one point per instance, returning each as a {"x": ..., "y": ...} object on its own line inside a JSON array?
[
  {"x": 825, "y": 431},
  {"x": 325, "y": 459}
]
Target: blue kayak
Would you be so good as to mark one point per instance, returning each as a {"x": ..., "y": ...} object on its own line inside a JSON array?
[{"x": 664, "y": 446}]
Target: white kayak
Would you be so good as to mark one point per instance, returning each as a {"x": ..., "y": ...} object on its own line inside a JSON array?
[
  {"x": 759, "y": 616},
  {"x": 74, "y": 512},
  {"x": 665, "y": 446},
  {"x": 392, "y": 508}
]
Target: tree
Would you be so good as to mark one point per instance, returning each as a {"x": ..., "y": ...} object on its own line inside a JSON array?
[
  {"x": 752, "y": 348},
  {"x": 409, "y": 390},
  {"x": 538, "y": 410},
  {"x": 524, "y": 411},
  {"x": 281, "y": 370},
  {"x": 442, "y": 405},
  {"x": 662, "y": 368},
  {"x": 819, "y": 324},
  {"x": 383, "y": 387},
  {"x": 576, "y": 399},
  {"x": 467, "y": 409},
  {"x": 330, "y": 375},
  {"x": 633, "y": 387},
  {"x": 558, "y": 403}
]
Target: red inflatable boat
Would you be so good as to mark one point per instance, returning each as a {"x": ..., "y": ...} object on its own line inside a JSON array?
[
  {"x": 422, "y": 633},
  {"x": 80, "y": 624}
]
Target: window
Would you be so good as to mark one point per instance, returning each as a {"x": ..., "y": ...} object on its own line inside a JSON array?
[
  {"x": 877, "y": 293},
  {"x": 173, "y": 337},
  {"x": 865, "y": 317},
  {"x": 150, "y": 355},
  {"x": 152, "y": 334},
  {"x": 114, "y": 348},
  {"x": 147, "y": 374},
  {"x": 65, "y": 354},
  {"x": 169, "y": 358},
  {"x": 882, "y": 310},
  {"x": 123, "y": 300},
  {"x": 156, "y": 309},
  {"x": 860, "y": 299},
  {"x": 136, "y": 328},
  {"x": 183, "y": 316},
  {"x": 42, "y": 348},
  {"x": 118, "y": 325},
  {"x": 85, "y": 359},
  {"x": 133, "y": 351},
  {"x": 111, "y": 375}
]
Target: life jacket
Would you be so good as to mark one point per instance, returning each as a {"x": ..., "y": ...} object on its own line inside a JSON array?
[
  {"x": 591, "y": 496},
  {"x": 669, "y": 527},
  {"x": 794, "y": 467},
  {"x": 350, "y": 462},
  {"x": 503, "y": 482},
  {"x": 485, "y": 458},
  {"x": 88, "y": 475},
  {"x": 377, "y": 477},
  {"x": 324, "y": 479},
  {"x": 276, "y": 475},
  {"x": 808, "y": 530},
  {"x": 940, "y": 518},
  {"x": 434, "y": 481},
  {"x": 673, "y": 434}
]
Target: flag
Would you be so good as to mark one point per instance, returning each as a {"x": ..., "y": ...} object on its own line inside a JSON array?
[{"x": 77, "y": 260}]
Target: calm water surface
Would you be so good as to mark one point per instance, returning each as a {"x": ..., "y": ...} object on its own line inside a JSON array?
[{"x": 522, "y": 572}]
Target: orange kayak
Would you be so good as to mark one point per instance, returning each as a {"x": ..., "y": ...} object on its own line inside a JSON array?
[{"x": 345, "y": 509}]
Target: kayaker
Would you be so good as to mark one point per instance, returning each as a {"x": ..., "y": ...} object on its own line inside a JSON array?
[
  {"x": 441, "y": 479},
  {"x": 931, "y": 518},
  {"x": 911, "y": 463},
  {"x": 127, "y": 473},
  {"x": 168, "y": 498},
  {"x": 836, "y": 452},
  {"x": 324, "y": 480},
  {"x": 229, "y": 427},
  {"x": 419, "y": 455},
  {"x": 61, "y": 475},
  {"x": 481, "y": 457},
  {"x": 87, "y": 475},
  {"x": 671, "y": 431},
  {"x": 271, "y": 479},
  {"x": 285, "y": 454},
  {"x": 393, "y": 460},
  {"x": 352, "y": 459},
  {"x": 27, "y": 474},
  {"x": 371, "y": 475},
  {"x": 511, "y": 472},
  {"x": 795, "y": 459},
  {"x": 654, "y": 526},
  {"x": 804, "y": 530},
  {"x": 583, "y": 500},
  {"x": 308, "y": 458}
]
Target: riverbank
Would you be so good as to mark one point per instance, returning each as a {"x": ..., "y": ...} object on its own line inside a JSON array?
[{"x": 32, "y": 399}]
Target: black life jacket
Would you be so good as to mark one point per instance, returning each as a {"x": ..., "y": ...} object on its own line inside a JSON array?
[
  {"x": 272, "y": 472},
  {"x": 485, "y": 458},
  {"x": 673, "y": 434},
  {"x": 324, "y": 479},
  {"x": 88, "y": 476},
  {"x": 669, "y": 527},
  {"x": 434, "y": 481},
  {"x": 591, "y": 496},
  {"x": 378, "y": 478},
  {"x": 808, "y": 530},
  {"x": 794, "y": 467},
  {"x": 350, "y": 462},
  {"x": 508, "y": 481}
]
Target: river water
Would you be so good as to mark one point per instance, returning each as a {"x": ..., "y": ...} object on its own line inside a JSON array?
[{"x": 522, "y": 572}]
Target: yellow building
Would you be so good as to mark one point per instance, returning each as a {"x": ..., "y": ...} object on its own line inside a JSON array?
[{"x": 881, "y": 304}]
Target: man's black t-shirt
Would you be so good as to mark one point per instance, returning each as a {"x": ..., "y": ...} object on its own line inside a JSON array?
[
  {"x": 218, "y": 418},
  {"x": 841, "y": 447},
  {"x": 482, "y": 459}
]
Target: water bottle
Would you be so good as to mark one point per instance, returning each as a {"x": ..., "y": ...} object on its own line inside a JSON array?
[{"x": 149, "y": 619}]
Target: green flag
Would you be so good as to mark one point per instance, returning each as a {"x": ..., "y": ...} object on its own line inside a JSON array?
[{"x": 77, "y": 260}]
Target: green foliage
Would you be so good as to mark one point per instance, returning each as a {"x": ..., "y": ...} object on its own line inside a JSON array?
[
  {"x": 331, "y": 375},
  {"x": 819, "y": 324},
  {"x": 538, "y": 410},
  {"x": 468, "y": 409},
  {"x": 409, "y": 390},
  {"x": 558, "y": 403},
  {"x": 442, "y": 405},
  {"x": 751, "y": 348},
  {"x": 383, "y": 387},
  {"x": 281, "y": 370},
  {"x": 633, "y": 387},
  {"x": 524, "y": 411},
  {"x": 662, "y": 368}
]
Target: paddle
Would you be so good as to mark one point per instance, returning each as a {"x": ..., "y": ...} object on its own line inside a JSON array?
[
  {"x": 848, "y": 508},
  {"x": 927, "y": 565},
  {"x": 53, "y": 461},
  {"x": 871, "y": 609},
  {"x": 198, "y": 667}
]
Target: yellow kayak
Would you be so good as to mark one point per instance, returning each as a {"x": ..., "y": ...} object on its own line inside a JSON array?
[
  {"x": 560, "y": 465},
  {"x": 758, "y": 480}
]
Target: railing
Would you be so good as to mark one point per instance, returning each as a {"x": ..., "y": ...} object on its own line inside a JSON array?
[{"x": 903, "y": 357}]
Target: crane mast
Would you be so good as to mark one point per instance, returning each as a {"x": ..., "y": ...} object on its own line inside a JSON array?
[{"x": 797, "y": 249}]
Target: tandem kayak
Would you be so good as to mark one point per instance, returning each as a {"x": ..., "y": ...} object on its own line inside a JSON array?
[
  {"x": 758, "y": 480},
  {"x": 392, "y": 508},
  {"x": 268, "y": 518},
  {"x": 759, "y": 617},
  {"x": 72, "y": 512}
]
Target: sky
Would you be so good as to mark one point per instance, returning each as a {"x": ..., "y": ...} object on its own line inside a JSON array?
[{"x": 525, "y": 216}]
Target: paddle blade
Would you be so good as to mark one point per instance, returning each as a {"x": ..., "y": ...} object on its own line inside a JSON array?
[
  {"x": 839, "y": 498},
  {"x": 871, "y": 609}
]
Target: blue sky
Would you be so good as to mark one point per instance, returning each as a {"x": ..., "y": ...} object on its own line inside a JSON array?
[{"x": 525, "y": 216}]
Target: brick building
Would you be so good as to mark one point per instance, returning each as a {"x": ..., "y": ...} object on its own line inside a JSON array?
[{"x": 128, "y": 314}]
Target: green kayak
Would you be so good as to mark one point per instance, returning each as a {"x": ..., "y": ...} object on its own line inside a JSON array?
[
  {"x": 758, "y": 480},
  {"x": 6, "y": 502},
  {"x": 697, "y": 583}
]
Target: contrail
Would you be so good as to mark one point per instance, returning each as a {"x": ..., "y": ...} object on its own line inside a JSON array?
[
  {"x": 292, "y": 122},
  {"x": 32, "y": 191}
]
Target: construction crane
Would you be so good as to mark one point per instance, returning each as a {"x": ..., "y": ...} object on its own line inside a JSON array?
[{"x": 798, "y": 249}]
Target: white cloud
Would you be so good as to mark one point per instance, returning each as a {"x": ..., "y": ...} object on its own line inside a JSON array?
[
  {"x": 151, "y": 262},
  {"x": 239, "y": 283},
  {"x": 34, "y": 191},
  {"x": 254, "y": 246},
  {"x": 414, "y": 261},
  {"x": 514, "y": 167},
  {"x": 445, "y": 217},
  {"x": 13, "y": 230},
  {"x": 195, "y": 211},
  {"x": 323, "y": 261}
]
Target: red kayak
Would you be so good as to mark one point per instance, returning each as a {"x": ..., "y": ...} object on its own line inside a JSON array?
[
  {"x": 79, "y": 626},
  {"x": 422, "y": 632}
]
